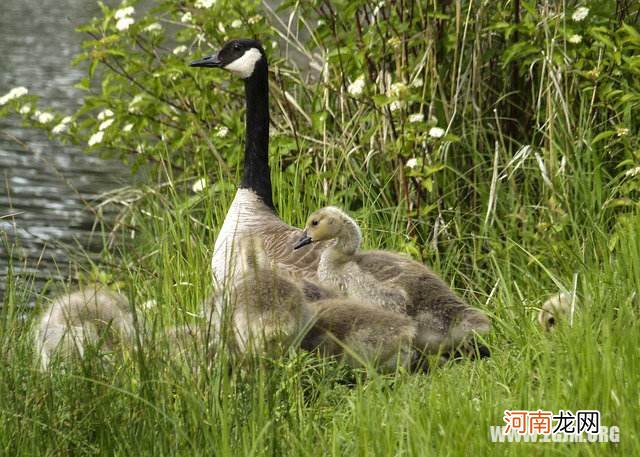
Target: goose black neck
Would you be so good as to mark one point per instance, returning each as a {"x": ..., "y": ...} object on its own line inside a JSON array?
[{"x": 257, "y": 176}]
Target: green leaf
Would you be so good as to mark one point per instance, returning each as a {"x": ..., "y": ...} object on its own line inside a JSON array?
[{"x": 603, "y": 136}]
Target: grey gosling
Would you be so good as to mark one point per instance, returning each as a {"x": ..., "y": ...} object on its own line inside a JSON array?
[
  {"x": 444, "y": 321},
  {"x": 266, "y": 307},
  {"x": 364, "y": 335},
  {"x": 92, "y": 315},
  {"x": 271, "y": 311}
]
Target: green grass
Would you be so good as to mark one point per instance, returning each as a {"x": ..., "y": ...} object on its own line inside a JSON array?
[{"x": 151, "y": 401}]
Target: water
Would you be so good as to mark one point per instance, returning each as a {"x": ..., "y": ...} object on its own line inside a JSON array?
[{"x": 47, "y": 191}]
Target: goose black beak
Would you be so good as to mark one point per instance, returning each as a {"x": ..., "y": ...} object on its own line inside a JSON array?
[
  {"x": 306, "y": 239},
  {"x": 212, "y": 61}
]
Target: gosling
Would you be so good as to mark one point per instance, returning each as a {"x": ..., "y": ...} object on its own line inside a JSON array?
[
  {"x": 444, "y": 321},
  {"x": 266, "y": 307},
  {"x": 362, "y": 334},
  {"x": 554, "y": 310},
  {"x": 272, "y": 311},
  {"x": 94, "y": 315}
]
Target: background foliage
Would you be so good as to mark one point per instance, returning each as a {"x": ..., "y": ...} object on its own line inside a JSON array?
[{"x": 529, "y": 95}]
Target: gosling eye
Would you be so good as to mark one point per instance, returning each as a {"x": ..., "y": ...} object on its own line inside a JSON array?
[{"x": 314, "y": 223}]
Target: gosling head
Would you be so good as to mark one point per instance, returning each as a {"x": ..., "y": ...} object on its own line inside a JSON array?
[
  {"x": 241, "y": 57},
  {"x": 555, "y": 309},
  {"x": 325, "y": 224}
]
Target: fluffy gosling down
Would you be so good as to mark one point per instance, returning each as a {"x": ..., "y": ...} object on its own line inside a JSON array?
[
  {"x": 554, "y": 310},
  {"x": 92, "y": 315},
  {"x": 363, "y": 334},
  {"x": 266, "y": 306},
  {"x": 444, "y": 321},
  {"x": 271, "y": 311}
]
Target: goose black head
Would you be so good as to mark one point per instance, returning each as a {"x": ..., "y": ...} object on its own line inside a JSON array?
[{"x": 239, "y": 56}]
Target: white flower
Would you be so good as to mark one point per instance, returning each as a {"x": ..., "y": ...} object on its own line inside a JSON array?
[
  {"x": 222, "y": 131},
  {"x": 356, "y": 87},
  {"x": 418, "y": 82},
  {"x": 436, "y": 132},
  {"x": 199, "y": 185},
  {"x": 44, "y": 118},
  {"x": 134, "y": 101},
  {"x": 127, "y": 128},
  {"x": 397, "y": 89},
  {"x": 575, "y": 39},
  {"x": 14, "y": 93},
  {"x": 221, "y": 28},
  {"x": 155, "y": 27},
  {"x": 395, "y": 106},
  {"x": 622, "y": 131},
  {"x": 186, "y": 17},
  {"x": 580, "y": 13},
  {"x": 105, "y": 113},
  {"x": 96, "y": 138},
  {"x": 58, "y": 129},
  {"x": 62, "y": 126},
  {"x": 124, "y": 23},
  {"x": 254, "y": 19},
  {"x": 104, "y": 125},
  {"x": 140, "y": 148},
  {"x": 204, "y": 3},
  {"x": 412, "y": 163},
  {"x": 236, "y": 24},
  {"x": 416, "y": 117},
  {"x": 180, "y": 49},
  {"x": 633, "y": 172},
  {"x": 125, "y": 12},
  {"x": 25, "y": 109}
]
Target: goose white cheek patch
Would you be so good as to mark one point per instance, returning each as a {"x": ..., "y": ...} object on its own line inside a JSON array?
[{"x": 244, "y": 66}]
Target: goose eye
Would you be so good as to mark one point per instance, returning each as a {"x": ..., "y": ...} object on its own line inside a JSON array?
[
  {"x": 236, "y": 46},
  {"x": 314, "y": 223}
]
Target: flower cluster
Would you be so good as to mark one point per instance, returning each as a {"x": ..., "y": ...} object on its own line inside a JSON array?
[
  {"x": 124, "y": 18},
  {"x": 580, "y": 14},
  {"x": 42, "y": 116},
  {"x": 204, "y": 3},
  {"x": 356, "y": 87},
  {"x": 154, "y": 27},
  {"x": 14, "y": 93},
  {"x": 222, "y": 131},
  {"x": 62, "y": 126}
]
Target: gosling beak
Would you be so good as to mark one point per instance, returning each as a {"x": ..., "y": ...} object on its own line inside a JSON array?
[
  {"x": 212, "y": 61},
  {"x": 306, "y": 239}
]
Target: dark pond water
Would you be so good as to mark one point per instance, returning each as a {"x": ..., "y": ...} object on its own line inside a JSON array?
[{"x": 47, "y": 191}]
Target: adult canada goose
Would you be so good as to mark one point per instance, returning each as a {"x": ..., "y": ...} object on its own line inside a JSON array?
[
  {"x": 252, "y": 211},
  {"x": 444, "y": 320},
  {"x": 91, "y": 315}
]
